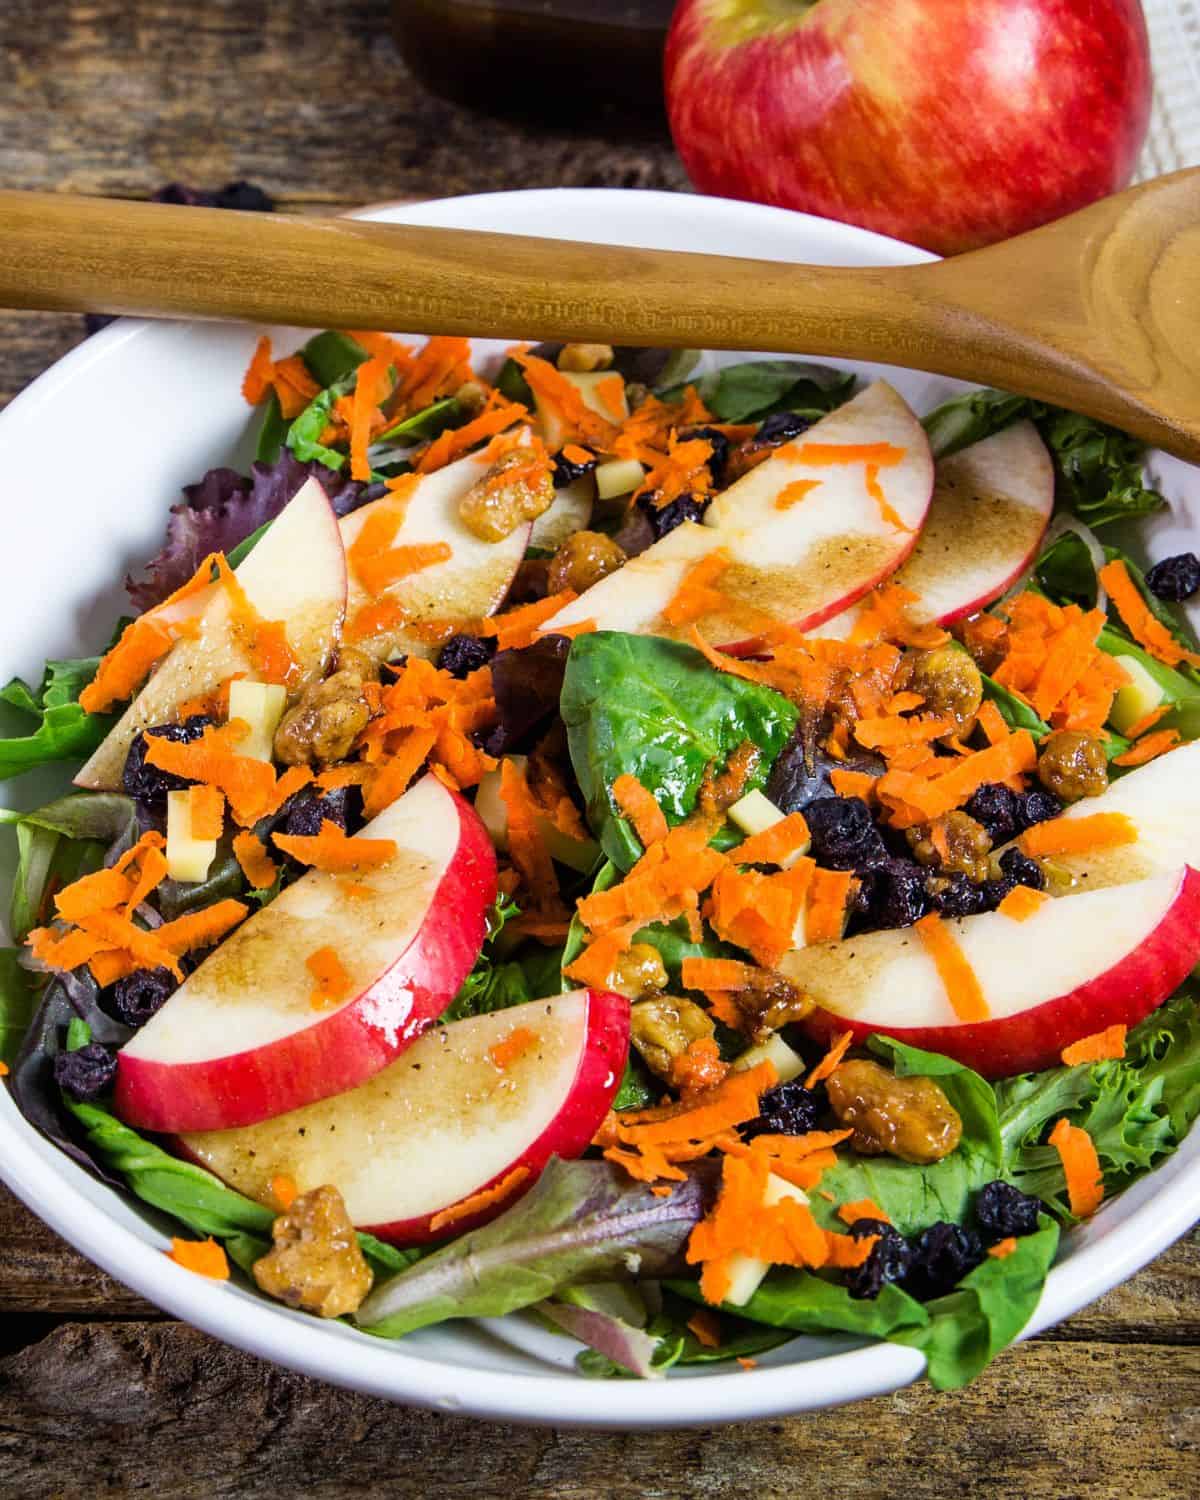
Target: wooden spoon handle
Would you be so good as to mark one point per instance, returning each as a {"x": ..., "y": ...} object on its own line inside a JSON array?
[{"x": 998, "y": 317}]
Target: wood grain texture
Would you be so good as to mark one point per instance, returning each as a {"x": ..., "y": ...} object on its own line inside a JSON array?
[
  {"x": 157, "y": 1408},
  {"x": 308, "y": 98}
]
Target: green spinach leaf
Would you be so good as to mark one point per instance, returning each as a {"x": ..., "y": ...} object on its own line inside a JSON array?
[
  {"x": 332, "y": 356},
  {"x": 655, "y": 709},
  {"x": 17, "y": 1004},
  {"x": 272, "y": 433},
  {"x": 426, "y": 423},
  {"x": 753, "y": 390},
  {"x": 64, "y": 731},
  {"x": 970, "y": 418},
  {"x": 1015, "y": 712}
]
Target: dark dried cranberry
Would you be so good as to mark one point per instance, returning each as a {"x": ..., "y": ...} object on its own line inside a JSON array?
[
  {"x": 996, "y": 807},
  {"x": 787, "y": 1109},
  {"x": 138, "y": 996},
  {"x": 665, "y": 518},
  {"x": 889, "y": 1260},
  {"x": 993, "y": 892},
  {"x": 941, "y": 1256},
  {"x": 86, "y": 1073},
  {"x": 1036, "y": 806},
  {"x": 955, "y": 896},
  {"x": 844, "y": 836},
  {"x": 566, "y": 470},
  {"x": 1002, "y": 1210},
  {"x": 1021, "y": 870},
  {"x": 245, "y": 197},
  {"x": 895, "y": 895},
  {"x": 1175, "y": 578},
  {"x": 183, "y": 196},
  {"x": 719, "y": 443},
  {"x": 782, "y": 426},
  {"x": 801, "y": 773},
  {"x": 308, "y": 811},
  {"x": 147, "y": 783},
  {"x": 464, "y": 654}
]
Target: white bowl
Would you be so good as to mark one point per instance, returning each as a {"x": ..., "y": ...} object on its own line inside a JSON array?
[{"x": 92, "y": 455}]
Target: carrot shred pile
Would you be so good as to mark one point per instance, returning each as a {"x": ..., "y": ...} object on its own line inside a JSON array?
[
  {"x": 682, "y": 470},
  {"x": 204, "y": 1257},
  {"x": 518, "y": 627},
  {"x": 378, "y": 564},
  {"x": 508, "y": 1049},
  {"x": 562, "y": 398},
  {"x": 334, "y": 851},
  {"x": 1138, "y": 619},
  {"x": 828, "y": 899},
  {"x": 1021, "y": 903},
  {"x": 478, "y": 1202},
  {"x": 439, "y": 369},
  {"x": 497, "y": 416},
  {"x": 256, "y": 864},
  {"x": 331, "y": 982},
  {"x": 641, "y": 808},
  {"x": 775, "y": 844},
  {"x": 885, "y": 615},
  {"x": 1101, "y": 1046},
  {"x": 1081, "y": 1166},
  {"x": 759, "y": 912},
  {"x": 959, "y": 980},
  {"x": 1051, "y": 660},
  {"x": 249, "y": 785},
  {"x": 1079, "y": 835}
]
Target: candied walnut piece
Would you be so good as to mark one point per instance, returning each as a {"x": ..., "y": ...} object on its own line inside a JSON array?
[
  {"x": 1072, "y": 765},
  {"x": 322, "y": 725},
  {"x": 947, "y": 679},
  {"x": 580, "y": 359},
  {"x": 639, "y": 971},
  {"x": 953, "y": 843},
  {"x": 583, "y": 559},
  {"x": 663, "y": 1028},
  {"x": 906, "y": 1117},
  {"x": 514, "y": 489},
  {"x": 316, "y": 1263},
  {"x": 768, "y": 1002}
]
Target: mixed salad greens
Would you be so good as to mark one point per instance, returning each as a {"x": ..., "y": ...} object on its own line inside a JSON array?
[{"x": 775, "y": 731}]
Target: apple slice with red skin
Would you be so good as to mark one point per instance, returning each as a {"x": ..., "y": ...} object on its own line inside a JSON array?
[
  {"x": 445, "y": 1121},
  {"x": 1162, "y": 801},
  {"x": 296, "y": 574},
  {"x": 991, "y": 505},
  {"x": 470, "y": 584},
  {"x": 1076, "y": 966},
  {"x": 240, "y": 1041},
  {"x": 800, "y": 564}
]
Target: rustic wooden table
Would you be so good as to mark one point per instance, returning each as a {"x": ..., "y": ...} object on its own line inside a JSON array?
[{"x": 100, "y": 1394}]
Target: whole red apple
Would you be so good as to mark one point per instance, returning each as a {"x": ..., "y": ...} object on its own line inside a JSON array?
[{"x": 947, "y": 123}]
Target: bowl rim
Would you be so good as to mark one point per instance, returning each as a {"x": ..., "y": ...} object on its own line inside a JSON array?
[{"x": 384, "y": 1369}]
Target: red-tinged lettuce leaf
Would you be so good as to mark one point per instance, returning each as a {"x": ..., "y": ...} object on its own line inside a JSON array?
[
  {"x": 526, "y": 684},
  {"x": 583, "y": 1221},
  {"x": 225, "y": 508},
  {"x": 623, "y": 1343}
]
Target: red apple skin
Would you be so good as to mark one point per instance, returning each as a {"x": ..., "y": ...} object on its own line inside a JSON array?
[
  {"x": 947, "y": 124},
  {"x": 1034, "y": 1039},
  {"x": 567, "y": 1136},
  {"x": 340, "y": 1052}
]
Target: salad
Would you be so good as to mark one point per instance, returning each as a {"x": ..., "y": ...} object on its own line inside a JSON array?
[{"x": 697, "y": 854}]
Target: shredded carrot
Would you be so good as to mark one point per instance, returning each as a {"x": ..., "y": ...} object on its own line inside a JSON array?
[
  {"x": 1081, "y": 1166},
  {"x": 256, "y": 864},
  {"x": 852, "y": 784},
  {"x": 1148, "y": 748},
  {"x": 886, "y": 455},
  {"x": 517, "y": 627},
  {"x": 1002, "y": 1249},
  {"x": 611, "y": 391},
  {"x": 695, "y": 595},
  {"x": 204, "y": 1257},
  {"x": 846, "y": 1252},
  {"x": 1137, "y": 617},
  {"x": 294, "y": 387},
  {"x": 574, "y": 454},
  {"x": 284, "y": 1190},
  {"x": 792, "y": 494},
  {"x": 1148, "y": 721},
  {"x": 1079, "y": 835},
  {"x": 918, "y": 796},
  {"x": 1021, "y": 903},
  {"x": 526, "y": 843},
  {"x": 200, "y": 929},
  {"x": 561, "y": 397},
  {"x": 875, "y": 490},
  {"x": 376, "y": 562},
  {"x": 829, "y": 895},
  {"x": 508, "y": 1049},
  {"x": 264, "y": 641},
  {"x": 390, "y": 778},
  {"x": 698, "y": 1068},
  {"x": 333, "y": 850},
  {"x": 828, "y": 1064},
  {"x": 641, "y": 808},
  {"x": 705, "y": 1327},
  {"x": 332, "y": 982},
  {"x": 478, "y": 1202},
  {"x": 370, "y": 387},
  {"x": 257, "y": 380},
  {"x": 747, "y": 1363},
  {"x": 775, "y": 844},
  {"x": 247, "y": 783},
  {"x": 706, "y": 974},
  {"x": 1101, "y": 1046},
  {"x": 206, "y": 812},
  {"x": 959, "y": 980},
  {"x": 439, "y": 369},
  {"x": 496, "y": 417},
  {"x": 122, "y": 670},
  {"x": 862, "y": 1208}
]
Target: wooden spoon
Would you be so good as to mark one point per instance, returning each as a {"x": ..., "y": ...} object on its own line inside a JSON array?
[{"x": 1098, "y": 312}]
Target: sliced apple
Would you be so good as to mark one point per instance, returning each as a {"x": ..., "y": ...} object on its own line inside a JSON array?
[
  {"x": 296, "y": 574},
  {"x": 1076, "y": 966},
  {"x": 577, "y": 854},
  {"x": 450, "y": 1119},
  {"x": 240, "y": 1040},
  {"x": 991, "y": 505},
  {"x": 1162, "y": 800},
  {"x": 801, "y": 563},
  {"x": 570, "y": 512},
  {"x": 468, "y": 585}
]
